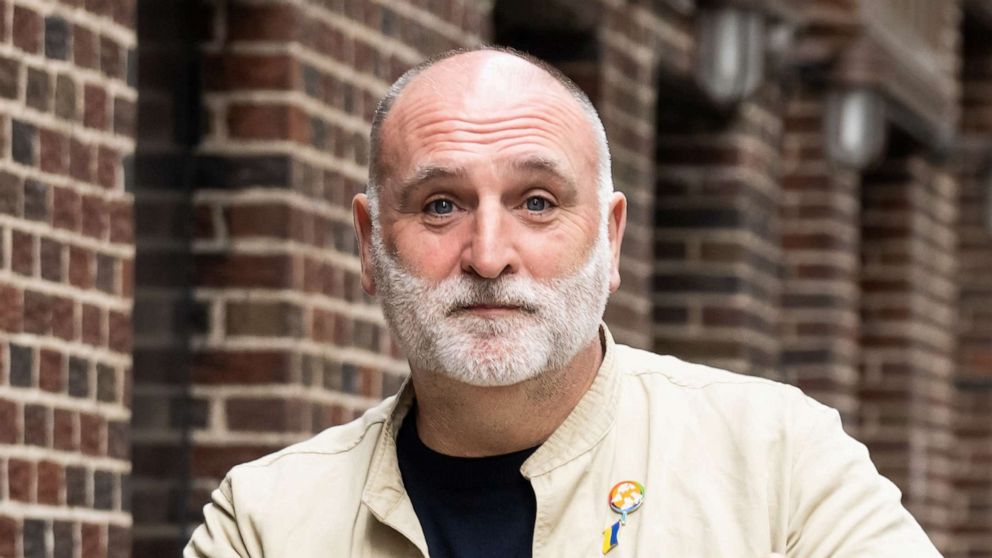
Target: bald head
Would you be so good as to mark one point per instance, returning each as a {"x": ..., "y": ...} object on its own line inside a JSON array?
[{"x": 480, "y": 81}]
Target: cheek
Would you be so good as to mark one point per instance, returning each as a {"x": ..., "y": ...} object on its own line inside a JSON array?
[{"x": 427, "y": 254}]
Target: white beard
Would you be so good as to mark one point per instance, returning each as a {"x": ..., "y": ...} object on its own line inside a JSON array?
[{"x": 559, "y": 317}]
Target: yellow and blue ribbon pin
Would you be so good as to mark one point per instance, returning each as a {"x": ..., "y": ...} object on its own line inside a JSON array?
[{"x": 625, "y": 498}]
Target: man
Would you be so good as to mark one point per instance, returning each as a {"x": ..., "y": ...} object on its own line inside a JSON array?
[{"x": 492, "y": 234}]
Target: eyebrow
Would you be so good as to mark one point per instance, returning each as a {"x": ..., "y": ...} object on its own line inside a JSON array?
[
  {"x": 430, "y": 173},
  {"x": 425, "y": 174}
]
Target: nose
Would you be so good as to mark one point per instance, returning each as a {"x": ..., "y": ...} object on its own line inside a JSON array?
[{"x": 490, "y": 252}]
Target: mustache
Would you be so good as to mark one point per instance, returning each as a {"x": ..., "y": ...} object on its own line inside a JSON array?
[{"x": 466, "y": 292}]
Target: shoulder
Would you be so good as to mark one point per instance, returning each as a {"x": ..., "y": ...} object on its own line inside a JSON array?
[
  {"x": 719, "y": 398},
  {"x": 337, "y": 458}
]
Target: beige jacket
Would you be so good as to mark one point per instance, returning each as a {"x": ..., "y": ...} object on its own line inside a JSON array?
[{"x": 732, "y": 466}]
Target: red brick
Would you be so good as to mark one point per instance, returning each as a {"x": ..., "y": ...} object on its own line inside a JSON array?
[
  {"x": 50, "y": 376},
  {"x": 237, "y": 270},
  {"x": 8, "y": 525},
  {"x": 11, "y": 309},
  {"x": 27, "y": 29},
  {"x": 213, "y": 462},
  {"x": 81, "y": 160},
  {"x": 80, "y": 267},
  {"x": 127, "y": 279},
  {"x": 54, "y": 149},
  {"x": 121, "y": 222},
  {"x": 50, "y": 480},
  {"x": 107, "y": 163},
  {"x": 93, "y": 326},
  {"x": 95, "y": 217},
  {"x": 272, "y": 221},
  {"x": 120, "y": 331},
  {"x": 66, "y": 208},
  {"x": 95, "y": 107},
  {"x": 275, "y": 122},
  {"x": 92, "y": 432},
  {"x": 64, "y": 431},
  {"x": 272, "y": 22},
  {"x": 241, "y": 368},
  {"x": 250, "y": 71},
  {"x": 20, "y": 480},
  {"x": 84, "y": 47},
  {"x": 92, "y": 541}
]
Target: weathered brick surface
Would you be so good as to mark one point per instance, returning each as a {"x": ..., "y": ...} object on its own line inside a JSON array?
[
  {"x": 908, "y": 312},
  {"x": 972, "y": 510},
  {"x": 55, "y": 226}
]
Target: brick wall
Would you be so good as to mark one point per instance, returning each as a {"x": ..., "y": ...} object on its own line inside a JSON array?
[
  {"x": 908, "y": 312},
  {"x": 289, "y": 344},
  {"x": 716, "y": 259},
  {"x": 973, "y": 403},
  {"x": 820, "y": 212},
  {"x": 67, "y": 107}
]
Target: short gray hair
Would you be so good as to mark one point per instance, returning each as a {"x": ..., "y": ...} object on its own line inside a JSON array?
[{"x": 604, "y": 177}]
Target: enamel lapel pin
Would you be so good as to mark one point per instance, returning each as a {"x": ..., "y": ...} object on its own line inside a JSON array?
[{"x": 625, "y": 498}]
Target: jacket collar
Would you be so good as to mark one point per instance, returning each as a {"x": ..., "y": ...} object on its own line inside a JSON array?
[{"x": 581, "y": 431}]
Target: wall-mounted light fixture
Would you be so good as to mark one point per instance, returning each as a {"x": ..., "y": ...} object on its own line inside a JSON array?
[
  {"x": 855, "y": 126},
  {"x": 730, "y": 57}
]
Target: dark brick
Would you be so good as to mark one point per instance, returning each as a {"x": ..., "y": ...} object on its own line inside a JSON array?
[
  {"x": 9, "y": 78},
  {"x": 38, "y": 95},
  {"x": 118, "y": 542},
  {"x": 64, "y": 318},
  {"x": 111, "y": 58},
  {"x": 118, "y": 446},
  {"x": 33, "y": 538},
  {"x": 58, "y": 35},
  {"x": 23, "y": 140},
  {"x": 103, "y": 490},
  {"x": 63, "y": 539},
  {"x": 75, "y": 486},
  {"x": 243, "y": 172},
  {"x": 35, "y": 200},
  {"x": 37, "y": 312},
  {"x": 79, "y": 377},
  {"x": 52, "y": 258},
  {"x": 81, "y": 160},
  {"x": 10, "y": 194},
  {"x": 36, "y": 425},
  {"x": 106, "y": 383},
  {"x": 124, "y": 117},
  {"x": 697, "y": 283},
  {"x": 65, "y": 97},
  {"x": 65, "y": 208},
  {"x": 125, "y": 490},
  {"x": 21, "y": 365},
  {"x": 106, "y": 273}
]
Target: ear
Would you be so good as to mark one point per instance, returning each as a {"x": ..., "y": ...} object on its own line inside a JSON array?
[
  {"x": 363, "y": 230},
  {"x": 616, "y": 223}
]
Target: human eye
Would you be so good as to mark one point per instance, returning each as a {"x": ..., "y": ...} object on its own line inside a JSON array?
[
  {"x": 537, "y": 204},
  {"x": 440, "y": 206}
]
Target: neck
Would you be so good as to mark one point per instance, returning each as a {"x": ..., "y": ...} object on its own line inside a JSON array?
[{"x": 463, "y": 420}]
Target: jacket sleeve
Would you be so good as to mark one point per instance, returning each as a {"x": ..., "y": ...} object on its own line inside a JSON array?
[
  {"x": 219, "y": 536},
  {"x": 840, "y": 506}
]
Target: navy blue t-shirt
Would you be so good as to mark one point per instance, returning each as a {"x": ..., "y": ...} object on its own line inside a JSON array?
[{"x": 467, "y": 506}]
